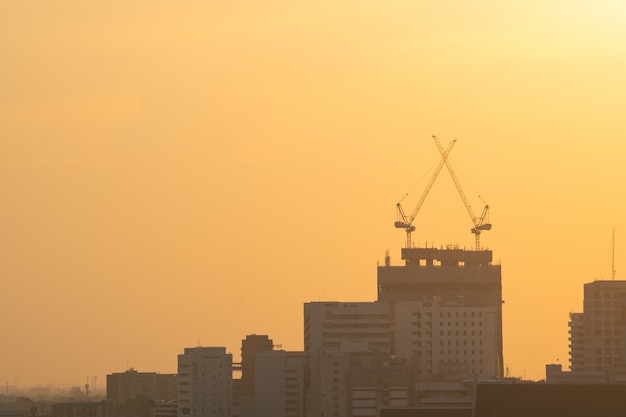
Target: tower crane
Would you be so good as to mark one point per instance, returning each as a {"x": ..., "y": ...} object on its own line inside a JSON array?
[
  {"x": 480, "y": 223},
  {"x": 406, "y": 222}
]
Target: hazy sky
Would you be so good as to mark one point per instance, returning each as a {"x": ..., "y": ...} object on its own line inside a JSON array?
[{"x": 194, "y": 171}]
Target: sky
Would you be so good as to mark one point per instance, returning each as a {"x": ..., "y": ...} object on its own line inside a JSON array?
[{"x": 175, "y": 174}]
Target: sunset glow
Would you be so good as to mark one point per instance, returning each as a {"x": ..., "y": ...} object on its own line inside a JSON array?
[{"x": 184, "y": 173}]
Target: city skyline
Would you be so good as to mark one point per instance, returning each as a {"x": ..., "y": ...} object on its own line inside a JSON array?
[{"x": 174, "y": 176}]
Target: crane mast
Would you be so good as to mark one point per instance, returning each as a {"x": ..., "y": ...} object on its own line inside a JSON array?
[
  {"x": 405, "y": 222},
  {"x": 479, "y": 223}
]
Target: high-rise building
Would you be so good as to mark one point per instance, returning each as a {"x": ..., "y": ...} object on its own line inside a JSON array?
[
  {"x": 460, "y": 315},
  {"x": 205, "y": 382},
  {"x": 439, "y": 317},
  {"x": 598, "y": 335}
]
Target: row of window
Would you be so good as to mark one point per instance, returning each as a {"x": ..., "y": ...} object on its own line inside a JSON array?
[
  {"x": 441, "y": 343},
  {"x": 449, "y": 314},
  {"x": 428, "y": 354}
]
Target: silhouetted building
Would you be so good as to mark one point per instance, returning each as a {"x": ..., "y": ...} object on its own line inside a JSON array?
[
  {"x": 205, "y": 385},
  {"x": 447, "y": 340},
  {"x": 139, "y": 406},
  {"x": 279, "y": 380},
  {"x": 165, "y": 409},
  {"x": 250, "y": 347},
  {"x": 454, "y": 325},
  {"x": 332, "y": 332},
  {"x": 131, "y": 384},
  {"x": 597, "y": 335},
  {"x": 375, "y": 380},
  {"x": 426, "y": 412},
  {"x": 549, "y": 400},
  {"x": 525, "y": 399},
  {"x": 82, "y": 409}
]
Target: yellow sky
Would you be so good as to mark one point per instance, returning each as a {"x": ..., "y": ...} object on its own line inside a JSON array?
[{"x": 181, "y": 171}]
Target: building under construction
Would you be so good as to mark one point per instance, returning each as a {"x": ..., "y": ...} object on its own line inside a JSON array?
[
  {"x": 447, "y": 302},
  {"x": 447, "y": 305}
]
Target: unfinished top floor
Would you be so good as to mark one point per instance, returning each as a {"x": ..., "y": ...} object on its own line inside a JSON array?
[{"x": 451, "y": 255}]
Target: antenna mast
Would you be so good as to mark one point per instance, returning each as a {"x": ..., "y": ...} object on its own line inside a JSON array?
[{"x": 613, "y": 256}]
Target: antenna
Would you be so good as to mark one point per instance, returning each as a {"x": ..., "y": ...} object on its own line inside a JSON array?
[{"x": 613, "y": 256}]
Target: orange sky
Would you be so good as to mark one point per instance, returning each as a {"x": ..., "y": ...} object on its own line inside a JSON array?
[{"x": 197, "y": 170}]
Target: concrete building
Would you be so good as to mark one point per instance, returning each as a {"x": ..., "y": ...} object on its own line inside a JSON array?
[
  {"x": 597, "y": 337},
  {"x": 576, "y": 341},
  {"x": 376, "y": 381},
  {"x": 279, "y": 384},
  {"x": 131, "y": 384},
  {"x": 450, "y": 341},
  {"x": 81, "y": 409},
  {"x": 523, "y": 399},
  {"x": 333, "y": 332},
  {"x": 603, "y": 328},
  {"x": 251, "y": 346},
  {"x": 164, "y": 409},
  {"x": 462, "y": 292},
  {"x": 244, "y": 387},
  {"x": 205, "y": 385}
]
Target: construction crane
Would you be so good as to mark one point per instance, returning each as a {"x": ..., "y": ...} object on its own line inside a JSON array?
[
  {"x": 406, "y": 222},
  {"x": 480, "y": 223}
]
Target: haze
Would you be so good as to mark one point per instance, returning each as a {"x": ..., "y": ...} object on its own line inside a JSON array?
[{"x": 175, "y": 173}]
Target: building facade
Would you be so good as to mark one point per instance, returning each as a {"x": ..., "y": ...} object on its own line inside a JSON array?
[
  {"x": 447, "y": 310},
  {"x": 333, "y": 333},
  {"x": 447, "y": 341},
  {"x": 597, "y": 336},
  {"x": 279, "y": 384},
  {"x": 205, "y": 385},
  {"x": 131, "y": 384}
]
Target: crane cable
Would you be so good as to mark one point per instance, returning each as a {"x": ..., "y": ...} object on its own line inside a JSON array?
[{"x": 418, "y": 182}]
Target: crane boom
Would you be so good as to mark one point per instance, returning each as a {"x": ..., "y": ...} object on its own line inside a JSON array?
[
  {"x": 479, "y": 223},
  {"x": 405, "y": 222}
]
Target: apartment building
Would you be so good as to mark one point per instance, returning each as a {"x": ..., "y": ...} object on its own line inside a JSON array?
[{"x": 205, "y": 385}]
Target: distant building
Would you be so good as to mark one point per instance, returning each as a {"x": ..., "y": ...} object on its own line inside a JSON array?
[
  {"x": 165, "y": 409},
  {"x": 81, "y": 409},
  {"x": 131, "y": 384},
  {"x": 603, "y": 328},
  {"x": 244, "y": 387},
  {"x": 333, "y": 331},
  {"x": 549, "y": 400},
  {"x": 524, "y": 399},
  {"x": 597, "y": 337},
  {"x": 577, "y": 341},
  {"x": 462, "y": 292},
  {"x": 279, "y": 381},
  {"x": 205, "y": 386},
  {"x": 251, "y": 346},
  {"x": 375, "y": 380},
  {"x": 451, "y": 340},
  {"x": 437, "y": 321}
]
